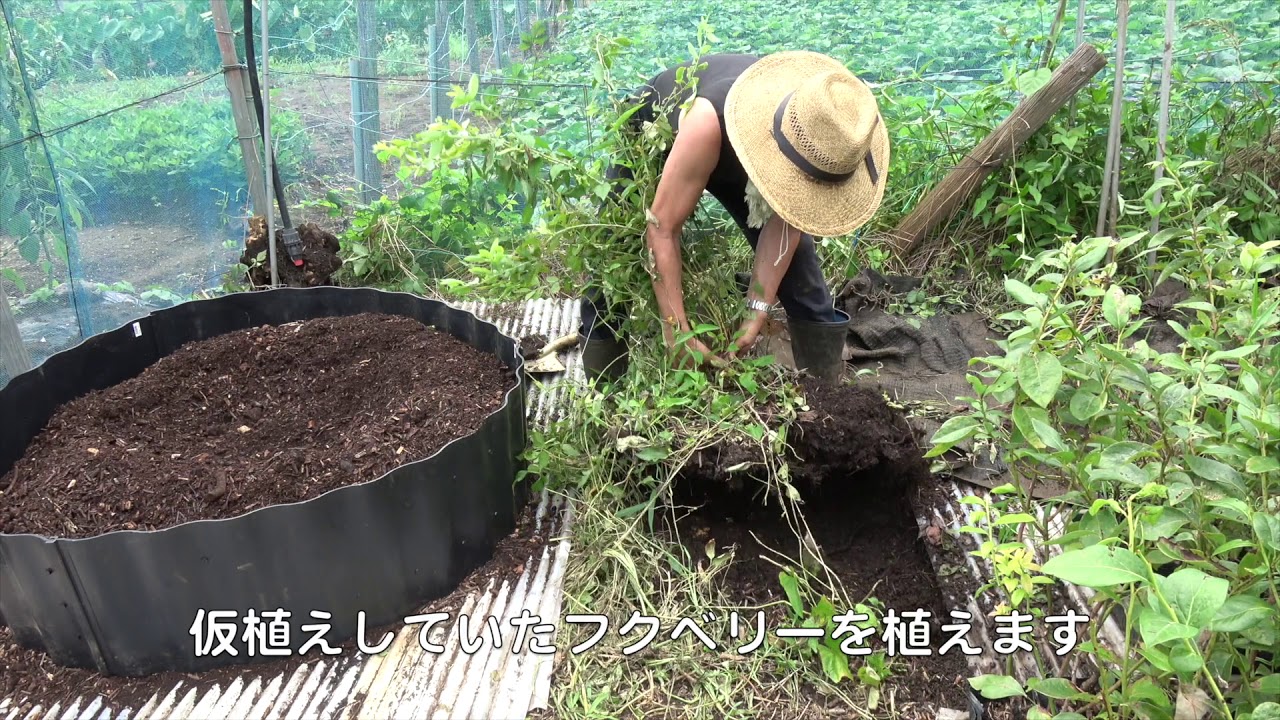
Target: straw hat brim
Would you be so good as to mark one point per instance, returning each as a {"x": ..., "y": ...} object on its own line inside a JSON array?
[{"x": 818, "y": 208}]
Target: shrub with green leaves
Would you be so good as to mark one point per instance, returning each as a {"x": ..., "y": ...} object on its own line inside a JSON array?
[{"x": 1172, "y": 458}]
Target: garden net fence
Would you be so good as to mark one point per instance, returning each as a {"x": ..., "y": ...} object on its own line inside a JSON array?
[{"x": 125, "y": 187}]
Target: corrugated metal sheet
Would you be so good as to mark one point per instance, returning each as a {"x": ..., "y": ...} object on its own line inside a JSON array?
[
  {"x": 406, "y": 681},
  {"x": 951, "y": 513}
]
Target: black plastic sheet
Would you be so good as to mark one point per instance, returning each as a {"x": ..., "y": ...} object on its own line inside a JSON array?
[{"x": 125, "y": 602}]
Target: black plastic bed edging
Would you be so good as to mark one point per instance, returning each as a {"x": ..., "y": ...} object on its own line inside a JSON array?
[{"x": 125, "y": 602}]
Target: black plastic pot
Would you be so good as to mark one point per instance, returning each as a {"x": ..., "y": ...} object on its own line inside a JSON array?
[{"x": 125, "y": 602}]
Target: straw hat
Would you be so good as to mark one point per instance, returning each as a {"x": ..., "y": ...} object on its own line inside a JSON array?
[{"x": 810, "y": 136}]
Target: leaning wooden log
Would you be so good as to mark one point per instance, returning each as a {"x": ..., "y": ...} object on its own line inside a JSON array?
[{"x": 1031, "y": 114}]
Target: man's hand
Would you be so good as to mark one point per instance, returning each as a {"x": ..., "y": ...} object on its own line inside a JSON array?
[
  {"x": 748, "y": 334},
  {"x": 692, "y": 353}
]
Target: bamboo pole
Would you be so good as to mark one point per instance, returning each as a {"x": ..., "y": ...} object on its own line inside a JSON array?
[
  {"x": 1028, "y": 117},
  {"x": 1162, "y": 131},
  {"x": 1051, "y": 43},
  {"x": 246, "y": 129},
  {"x": 1107, "y": 206},
  {"x": 1080, "y": 10},
  {"x": 14, "y": 359}
]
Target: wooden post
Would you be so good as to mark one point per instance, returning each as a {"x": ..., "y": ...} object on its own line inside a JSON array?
[
  {"x": 1030, "y": 115},
  {"x": 364, "y": 102},
  {"x": 1162, "y": 128},
  {"x": 14, "y": 359},
  {"x": 473, "y": 35},
  {"x": 1109, "y": 199},
  {"x": 499, "y": 35},
  {"x": 237, "y": 85}
]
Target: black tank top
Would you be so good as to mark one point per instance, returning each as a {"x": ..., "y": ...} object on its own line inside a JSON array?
[{"x": 728, "y": 181}]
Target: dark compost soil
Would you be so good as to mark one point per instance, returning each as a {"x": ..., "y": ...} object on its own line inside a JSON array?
[
  {"x": 319, "y": 256},
  {"x": 531, "y": 345},
  {"x": 29, "y": 677},
  {"x": 270, "y": 415},
  {"x": 859, "y": 465}
]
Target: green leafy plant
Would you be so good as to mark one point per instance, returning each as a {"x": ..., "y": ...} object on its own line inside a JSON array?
[
  {"x": 872, "y": 671},
  {"x": 1170, "y": 456}
]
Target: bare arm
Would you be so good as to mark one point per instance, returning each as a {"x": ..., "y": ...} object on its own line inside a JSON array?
[
  {"x": 774, "y": 251},
  {"x": 693, "y": 157}
]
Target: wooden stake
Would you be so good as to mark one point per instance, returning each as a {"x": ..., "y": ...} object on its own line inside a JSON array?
[
  {"x": 1030, "y": 115},
  {"x": 1162, "y": 131},
  {"x": 237, "y": 85},
  {"x": 443, "y": 70},
  {"x": 1108, "y": 205},
  {"x": 14, "y": 359}
]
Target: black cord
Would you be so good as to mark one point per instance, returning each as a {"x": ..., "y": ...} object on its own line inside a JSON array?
[{"x": 257, "y": 103}]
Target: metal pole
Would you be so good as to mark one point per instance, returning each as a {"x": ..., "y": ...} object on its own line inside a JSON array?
[
  {"x": 499, "y": 35},
  {"x": 266, "y": 145},
  {"x": 1162, "y": 126},
  {"x": 366, "y": 106},
  {"x": 1080, "y": 10},
  {"x": 473, "y": 34},
  {"x": 357, "y": 130}
]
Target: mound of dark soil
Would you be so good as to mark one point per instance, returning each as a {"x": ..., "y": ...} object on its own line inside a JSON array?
[
  {"x": 847, "y": 431},
  {"x": 270, "y": 415},
  {"x": 851, "y": 429},
  {"x": 319, "y": 256},
  {"x": 531, "y": 345}
]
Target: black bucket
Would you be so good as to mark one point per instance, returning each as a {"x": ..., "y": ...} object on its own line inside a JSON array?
[{"x": 126, "y": 602}]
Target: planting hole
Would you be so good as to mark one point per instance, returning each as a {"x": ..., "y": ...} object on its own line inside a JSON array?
[{"x": 858, "y": 463}]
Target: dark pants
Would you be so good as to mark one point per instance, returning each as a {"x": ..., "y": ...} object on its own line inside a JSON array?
[{"x": 803, "y": 291}]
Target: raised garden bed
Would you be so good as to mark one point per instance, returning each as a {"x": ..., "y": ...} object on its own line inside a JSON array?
[{"x": 344, "y": 458}]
